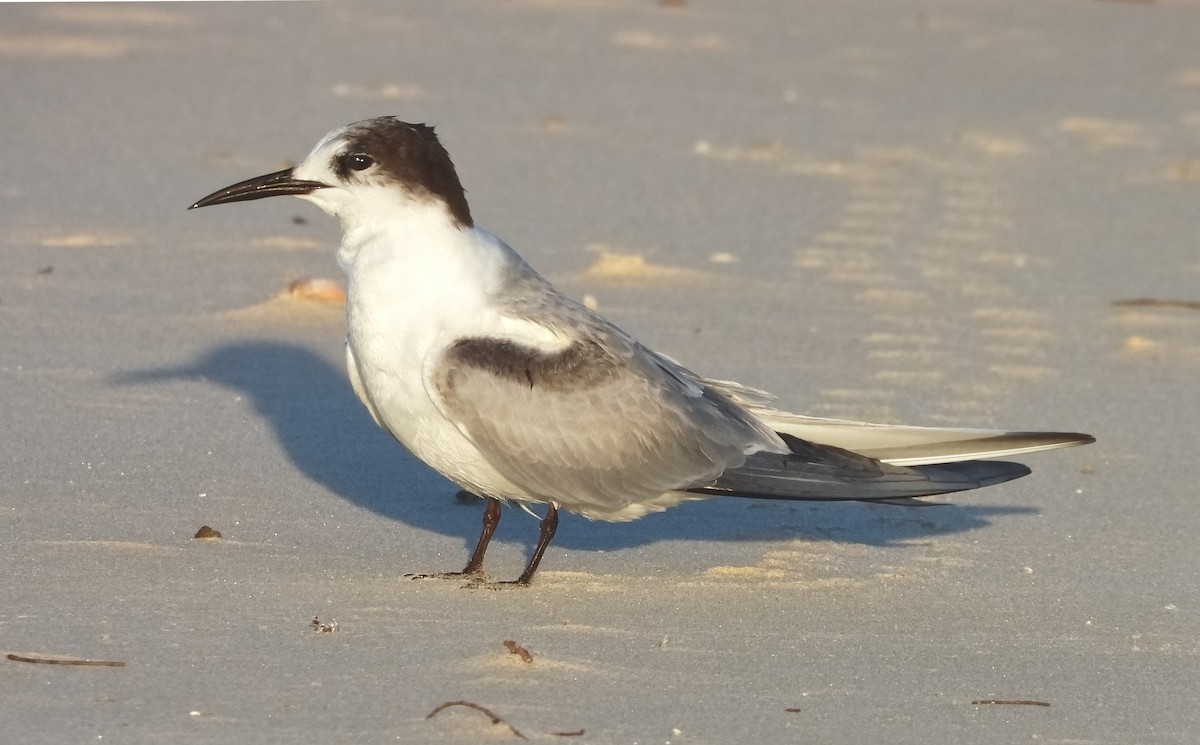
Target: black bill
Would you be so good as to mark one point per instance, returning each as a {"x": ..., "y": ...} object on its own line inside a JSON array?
[{"x": 280, "y": 183}]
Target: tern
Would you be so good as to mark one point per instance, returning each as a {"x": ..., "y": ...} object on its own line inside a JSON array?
[{"x": 491, "y": 376}]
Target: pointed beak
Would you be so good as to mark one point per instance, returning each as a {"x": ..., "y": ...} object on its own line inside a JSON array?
[{"x": 276, "y": 184}]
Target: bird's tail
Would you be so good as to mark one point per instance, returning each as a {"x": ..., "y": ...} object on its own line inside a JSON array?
[
  {"x": 827, "y": 473},
  {"x": 899, "y": 445}
]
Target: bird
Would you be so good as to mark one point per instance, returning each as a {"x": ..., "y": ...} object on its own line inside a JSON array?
[{"x": 523, "y": 396}]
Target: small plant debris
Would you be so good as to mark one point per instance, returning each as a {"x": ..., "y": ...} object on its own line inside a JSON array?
[
  {"x": 324, "y": 627},
  {"x": 496, "y": 718},
  {"x": 1156, "y": 302},
  {"x": 519, "y": 651},
  {"x": 207, "y": 533},
  {"x": 572, "y": 733},
  {"x": 65, "y": 661},
  {"x": 1008, "y": 702},
  {"x": 318, "y": 289}
]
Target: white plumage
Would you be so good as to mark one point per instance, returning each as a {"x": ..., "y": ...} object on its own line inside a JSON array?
[{"x": 485, "y": 372}]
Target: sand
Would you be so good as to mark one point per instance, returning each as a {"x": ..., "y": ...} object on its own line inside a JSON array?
[{"x": 912, "y": 211}]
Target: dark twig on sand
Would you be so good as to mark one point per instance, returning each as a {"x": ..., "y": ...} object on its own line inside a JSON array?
[
  {"x": 496, "y": 718},
  {"x": 1155, "y": 302},
  {"x": 65, "y": 661}
]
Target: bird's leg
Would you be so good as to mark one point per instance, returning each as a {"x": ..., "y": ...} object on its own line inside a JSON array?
[
  {"x": 491, "y": 518},
  {"x": 474, "y": 568},
  {"x": 546, "y": 534}
]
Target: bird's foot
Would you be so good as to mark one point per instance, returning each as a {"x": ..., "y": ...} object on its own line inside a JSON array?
[
  {"x": 474, "y": 580},
  {"x": 483, "y": 583},
  {"x": 476, "y": 575}
]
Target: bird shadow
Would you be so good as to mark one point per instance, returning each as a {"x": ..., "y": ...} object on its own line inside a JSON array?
[{"x": 331, "y": 438}]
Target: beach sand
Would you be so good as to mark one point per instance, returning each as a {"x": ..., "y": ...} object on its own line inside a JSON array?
[{"x": 920, "y": 212}]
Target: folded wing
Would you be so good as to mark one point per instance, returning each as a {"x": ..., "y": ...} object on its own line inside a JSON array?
[{"x": 595, "y": 426}]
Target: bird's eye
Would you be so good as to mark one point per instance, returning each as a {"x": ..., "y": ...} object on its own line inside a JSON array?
[{"x": 359, "y": 162}]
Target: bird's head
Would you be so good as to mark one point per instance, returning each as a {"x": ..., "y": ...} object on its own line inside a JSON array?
[{"x": 365, "y": 171}]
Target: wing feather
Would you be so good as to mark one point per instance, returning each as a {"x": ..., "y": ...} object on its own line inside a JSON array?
[
  {"x": 598, "y": 425},
  {"x": 898, "y": 444}
]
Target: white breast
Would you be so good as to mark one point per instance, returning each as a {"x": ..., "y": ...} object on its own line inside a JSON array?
[{"x": 411, "y": 295}]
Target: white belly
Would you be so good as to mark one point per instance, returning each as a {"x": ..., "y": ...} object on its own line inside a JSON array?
[
  {"x": 405, "y": 305},
  {"x": 387, "y": 371},
  {"x": 401, "y": 404}
]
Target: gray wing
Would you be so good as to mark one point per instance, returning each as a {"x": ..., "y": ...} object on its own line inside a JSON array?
[{"x": 598, "y": 425}]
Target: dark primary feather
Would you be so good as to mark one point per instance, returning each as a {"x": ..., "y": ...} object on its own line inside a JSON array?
[{"x": 824, "y": 473}]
